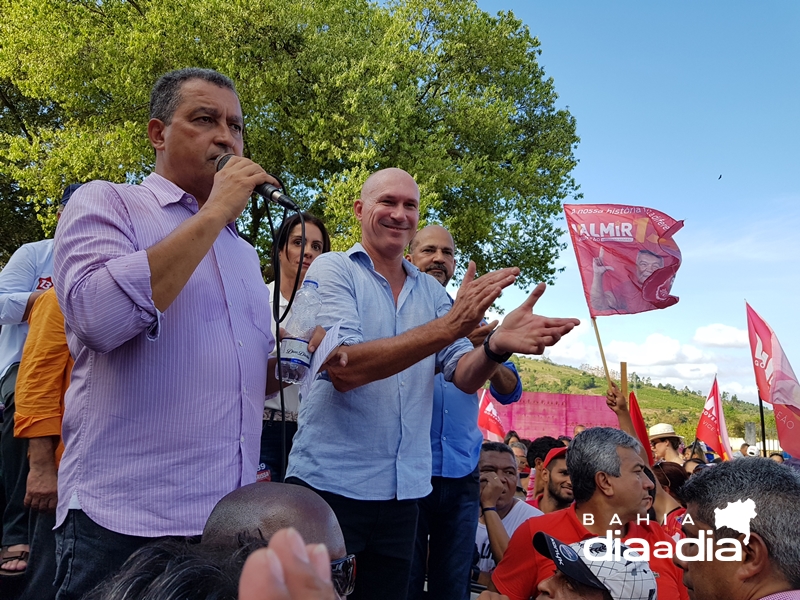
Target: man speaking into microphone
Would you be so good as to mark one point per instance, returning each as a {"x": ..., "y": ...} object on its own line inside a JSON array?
[{"x": 167, "y": 317}]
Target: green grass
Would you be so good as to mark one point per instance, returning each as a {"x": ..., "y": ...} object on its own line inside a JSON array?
[{"x": 659, "y": 403}]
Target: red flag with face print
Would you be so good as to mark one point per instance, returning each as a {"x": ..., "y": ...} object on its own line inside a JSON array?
[{"x": 626, "y": 256}]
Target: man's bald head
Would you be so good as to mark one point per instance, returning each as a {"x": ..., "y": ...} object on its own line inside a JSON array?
[
  {"x": 378, "y": 181},
  {"x": 432, "y": 251},
  {"x": 388, "y": 211},
  {"x": 261, "y": 509}
]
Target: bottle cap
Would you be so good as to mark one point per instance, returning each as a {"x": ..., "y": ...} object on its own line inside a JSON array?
[{"x": 311, "y": 282}]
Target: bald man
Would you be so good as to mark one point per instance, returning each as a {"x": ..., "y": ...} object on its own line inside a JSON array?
[
  {"x": 448, "y": 516},
  {"x": 362, "y": 441}
]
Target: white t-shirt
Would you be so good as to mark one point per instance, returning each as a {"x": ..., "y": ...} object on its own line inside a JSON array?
[
  {"x": 518, "y": 514},
  {"x": 291, "y": 393}
]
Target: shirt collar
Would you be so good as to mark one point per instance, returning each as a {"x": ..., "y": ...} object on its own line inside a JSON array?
[
  {"x": 166, "y": 192},
  {"x": 357, "y": 251}
]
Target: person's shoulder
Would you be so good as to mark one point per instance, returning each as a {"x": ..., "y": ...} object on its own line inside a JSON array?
[{"x": 525, "y": 510}]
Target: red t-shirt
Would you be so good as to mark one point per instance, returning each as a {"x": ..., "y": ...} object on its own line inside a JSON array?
[{"x": 523, "y": 568}]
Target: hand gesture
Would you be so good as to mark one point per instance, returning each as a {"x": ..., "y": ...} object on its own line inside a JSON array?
[
  {"x": 475, "y": 296},
  {"x": 491, "y": 489},
  {"x": 287, "y": 569},
  {"x": 615, "y": 400},
  {"x": 480, "y": 332},
  {"x": 337, "y": 357},
  {"x": 598, "y": 266},
  {"x": 527, "y": 333}
]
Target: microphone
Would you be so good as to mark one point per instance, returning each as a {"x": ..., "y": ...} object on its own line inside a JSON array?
[{"x": 265, "y": 190}]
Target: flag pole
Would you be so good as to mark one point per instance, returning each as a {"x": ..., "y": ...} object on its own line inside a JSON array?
[
  {"x": 623, "y": 379},
  {"x": 763, "y": 428},
  {"x": 602, "y": 354}
]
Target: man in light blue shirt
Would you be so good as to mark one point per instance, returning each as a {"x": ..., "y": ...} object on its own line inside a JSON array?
[
  {"x": 449, "y": 514},
  {"x": 363, "y": 438}
]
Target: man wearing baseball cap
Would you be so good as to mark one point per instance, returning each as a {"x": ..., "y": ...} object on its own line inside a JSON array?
[
  {"x": 579, "y": 577},
  {"x": 557, "y": 487},
  {"x": 612, "y": 497}
]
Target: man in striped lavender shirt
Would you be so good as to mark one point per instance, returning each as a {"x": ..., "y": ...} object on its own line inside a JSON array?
[{"x": 167, "y": 317}]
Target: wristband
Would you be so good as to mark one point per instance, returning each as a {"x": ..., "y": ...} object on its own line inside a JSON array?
[
  {"x": 485, "y": 509},
  {"x": 498, "y": 358}
]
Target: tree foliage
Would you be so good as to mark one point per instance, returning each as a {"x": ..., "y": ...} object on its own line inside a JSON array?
[{"x": 331, "y": 90}]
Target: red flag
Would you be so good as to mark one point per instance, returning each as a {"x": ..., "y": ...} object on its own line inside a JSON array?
[
  {"x": 626, "y": 256},
  {"x": 777, "y": 383},
  {"x": 712, "y": 428},
  {"x": 489, "y": 421},
  {"x": 639, "y": 426}
]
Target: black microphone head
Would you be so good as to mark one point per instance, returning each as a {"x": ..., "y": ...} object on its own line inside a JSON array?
[{"x": 222, "y": 160}]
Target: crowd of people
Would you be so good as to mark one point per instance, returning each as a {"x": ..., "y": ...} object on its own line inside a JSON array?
[{"x": 149, "y": 450}]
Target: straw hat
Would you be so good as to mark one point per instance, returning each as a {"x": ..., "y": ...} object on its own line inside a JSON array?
[{"x": 663, "y": 430}]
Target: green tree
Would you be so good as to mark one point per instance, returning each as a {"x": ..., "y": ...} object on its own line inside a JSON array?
[{"x": 331, "y": 90}]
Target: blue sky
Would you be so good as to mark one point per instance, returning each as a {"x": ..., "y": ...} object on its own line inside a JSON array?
[{"x": 668, "y": 96}]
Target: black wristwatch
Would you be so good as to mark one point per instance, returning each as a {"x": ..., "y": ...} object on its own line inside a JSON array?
[{"x": 498, "y": 358}]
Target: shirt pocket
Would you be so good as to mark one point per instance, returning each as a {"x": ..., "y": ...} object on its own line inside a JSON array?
[{"x": 258, "y": 306}]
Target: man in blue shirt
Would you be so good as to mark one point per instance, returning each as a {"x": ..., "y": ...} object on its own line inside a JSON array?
[
  {"x": 363, "y": 435},
  {"x": 449, "y": 514}
]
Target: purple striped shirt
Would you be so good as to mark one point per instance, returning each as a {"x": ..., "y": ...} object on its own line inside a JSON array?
[{"x": 163, "y": 415}]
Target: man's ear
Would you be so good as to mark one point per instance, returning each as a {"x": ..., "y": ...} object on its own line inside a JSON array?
[
  {"x": 155, "y": 132},
  {"x": 358, "y": 207},
  {"x": 755, "y": 560},
  {"x": 604, "y": 483},
  {"x": 545, "y": 476}
]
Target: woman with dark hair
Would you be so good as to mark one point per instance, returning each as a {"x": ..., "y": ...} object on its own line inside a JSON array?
[
  {"x": 671, "y": 476},
  {"x": 511, "y": 437},
  {"x": 291, "y": 257}
]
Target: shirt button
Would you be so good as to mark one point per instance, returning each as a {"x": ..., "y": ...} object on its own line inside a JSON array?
[
  {"x": 244, "y": 389},
  {"x": 230, "y": 303},
  {"x": 240, "y": 343},
  {"x": 402, "y": 383},
  {"x": 446, "y": 412},
  {"x": 241, "y": 439},
  {"x": 444, "y": 437}
]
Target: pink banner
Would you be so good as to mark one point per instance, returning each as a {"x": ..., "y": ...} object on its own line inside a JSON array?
[
  {"x": 626, "y": 256},
  {"x": 540, "y": 413}
]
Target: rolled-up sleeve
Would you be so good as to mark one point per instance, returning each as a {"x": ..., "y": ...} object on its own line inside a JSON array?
[
  {"x": 102, "y": 276},
  {"x": 15, "y": 285},
  {"x": 333, "y": 273},
  {"x": 513, "y": 396}
]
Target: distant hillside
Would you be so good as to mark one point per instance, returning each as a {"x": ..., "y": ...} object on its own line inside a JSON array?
[{"x": 659, "y": 403}]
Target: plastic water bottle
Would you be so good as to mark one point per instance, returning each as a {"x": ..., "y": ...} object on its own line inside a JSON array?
[{"x": 295, "y": 357}]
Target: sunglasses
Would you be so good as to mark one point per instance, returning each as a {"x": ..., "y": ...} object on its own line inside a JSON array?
[{"x": 343, "y": 574}]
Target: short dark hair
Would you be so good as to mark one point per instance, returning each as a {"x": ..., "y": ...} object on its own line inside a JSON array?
[
  {"x": 670, "y": 474},
  {"x": 289, "y": 223},
  {"x": 497, "y": 447},
  {"x": 540, "y": 447},
  {"x": 173, "y": 569},
  {"x": 595, "y": 451},
  {"x": 509, "y": 435},
  {"x": 166, "y": 93}
]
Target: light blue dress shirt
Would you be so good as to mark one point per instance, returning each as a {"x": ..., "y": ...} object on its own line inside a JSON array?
[
  {"x": 373, "y": 442},
  {"x": 455, "y": 437}
]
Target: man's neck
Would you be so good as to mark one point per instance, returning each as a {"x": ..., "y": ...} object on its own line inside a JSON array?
[
  {"x": 548, "y": 503},
  {"x": 391, "y": 267}
]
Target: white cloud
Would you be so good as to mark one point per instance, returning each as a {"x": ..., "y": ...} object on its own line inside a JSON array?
[{"x": 721, "y": 336}]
